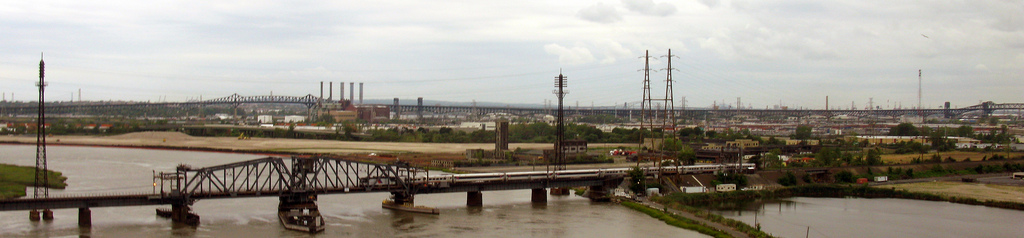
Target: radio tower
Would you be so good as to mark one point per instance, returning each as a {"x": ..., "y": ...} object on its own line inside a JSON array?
[
  {"x": 41, "y": 180},
  {"x": 560, "y": 83}
]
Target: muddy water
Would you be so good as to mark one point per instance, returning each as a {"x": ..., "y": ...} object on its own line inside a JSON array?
[
  {"x": 862, "y": 217},
  {"x": 92, "y": 170}
]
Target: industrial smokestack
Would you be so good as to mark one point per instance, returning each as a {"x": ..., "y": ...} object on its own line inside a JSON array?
[
  {"x": 330, "y": 91},
  {"x": 360, "y": 93},
  {"x": 321, "y": 90},
  {"x": 352, "y": 92},
  {"x": 341, "y": 90}
]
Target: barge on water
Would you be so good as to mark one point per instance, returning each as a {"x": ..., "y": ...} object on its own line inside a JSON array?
[
  {"x": 301, "y": 217},
  {"x": 391, "y": 204}
]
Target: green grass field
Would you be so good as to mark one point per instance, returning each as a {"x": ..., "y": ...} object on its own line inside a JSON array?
[{"x": 14, "y": 179}]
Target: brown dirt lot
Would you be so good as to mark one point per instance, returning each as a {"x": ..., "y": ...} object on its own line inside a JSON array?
[
  {"x": 956, "y": 155},
  {"x": 413, "y": 152},
  {"x": 972, "y": 190}
]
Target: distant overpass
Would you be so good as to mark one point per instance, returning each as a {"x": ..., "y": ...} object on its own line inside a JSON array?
[{"x": 313, "y": 102}]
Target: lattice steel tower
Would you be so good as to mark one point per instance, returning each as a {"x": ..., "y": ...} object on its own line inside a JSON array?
[
  {"x": 41, "y": 180},
  {"x": 646, "y": 116},
  {"x": 560, "y": 83},
  {"x": 670, "y": 107}
]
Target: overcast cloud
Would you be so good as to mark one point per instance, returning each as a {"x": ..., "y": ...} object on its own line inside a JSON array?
[{"x": 793, "y": 52}]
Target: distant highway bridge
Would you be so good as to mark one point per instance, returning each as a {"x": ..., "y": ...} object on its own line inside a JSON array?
[{"x": 313, "y": 102}]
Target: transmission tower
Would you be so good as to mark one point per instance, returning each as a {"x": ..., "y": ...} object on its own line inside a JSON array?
[
  {"x": 560, "y": 83},
  {"x": 670, "y": 108},
  {"x": 41, "y": 180},
  {"x": 647, "y": 104}
]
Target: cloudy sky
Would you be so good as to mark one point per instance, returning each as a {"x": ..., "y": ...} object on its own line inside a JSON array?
[{"x": 793, "y": 52}]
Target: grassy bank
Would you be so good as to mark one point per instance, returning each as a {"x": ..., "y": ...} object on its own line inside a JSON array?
[
  {"x": 14, "y": 179},
  {"x": 676, "y": 221}
]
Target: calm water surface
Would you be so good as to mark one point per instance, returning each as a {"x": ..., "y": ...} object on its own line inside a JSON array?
[
  {"x": 92, "y": 170},
  {"x": 879, "y": 217}
]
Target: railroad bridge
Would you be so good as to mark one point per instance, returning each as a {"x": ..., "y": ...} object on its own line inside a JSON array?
[{"x": 297, "y": 181}]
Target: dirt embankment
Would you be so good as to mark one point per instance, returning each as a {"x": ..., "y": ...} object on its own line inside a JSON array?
[
  {"x": 419, "y": 153},
  {"x": 978, "y": 191}
]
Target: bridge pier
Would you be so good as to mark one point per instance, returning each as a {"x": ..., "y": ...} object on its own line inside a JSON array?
[
  {"x": 539, "y": 195},
  {"x": 181, "y": 212},
  {"x": 474, "y": 199},
  {"x": 599, "y": 193},
  {"x": 84, "y": 217},
  {"x": 33, "y": 215}
]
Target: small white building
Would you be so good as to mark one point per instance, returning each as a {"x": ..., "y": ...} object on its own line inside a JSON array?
[
  {"x": 728, "y": 187},
  {"x": 265, "y": 119},
  {"x": 294, "y": 118}
]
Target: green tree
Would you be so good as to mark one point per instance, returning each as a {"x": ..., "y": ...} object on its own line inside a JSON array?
[
  {"x": 687, "y": 156},
  {"x": 787, "y": 180},
  {"x": 636, "y": 180},
  {"x": 904, "y": 129},
  {"x": 874, "y": 157},
  {"x": 802, "y": 132},
  {"x": 844, "y": 177}
]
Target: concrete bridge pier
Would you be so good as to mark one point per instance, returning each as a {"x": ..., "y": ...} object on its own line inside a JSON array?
[
  {"x": 181, "y": 212},
  {"x": 474, "y": 199},
  {"x": 402, "y": 198},
  {"x": 539, "y": 195},
  {"x": 600, "y": 193},
  {"x": 560, "y": 191},
  {"x": 35, "y": 215},
  {"x": 84, "y": 217}
]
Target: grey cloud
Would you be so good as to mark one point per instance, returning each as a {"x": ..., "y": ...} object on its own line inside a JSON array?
[
  {"x": 710, "y": 3},
  {"x": 600, "y": 13},
  {"x": 648, "y": 7}
]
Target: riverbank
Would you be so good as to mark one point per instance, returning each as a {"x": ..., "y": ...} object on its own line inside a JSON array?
[
  {"x": 686, "y": 221},
  {"x": 14, "y": 179}
]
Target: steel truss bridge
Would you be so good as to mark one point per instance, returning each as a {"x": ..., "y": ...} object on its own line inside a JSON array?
[
  {"x": 300, "y": 179},
  {"x": 313, "y": 102}
]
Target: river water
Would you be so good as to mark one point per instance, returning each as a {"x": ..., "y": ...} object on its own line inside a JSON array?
[
  {"x": 94, "y": 170},
  {"x": 879, "y": 217}
]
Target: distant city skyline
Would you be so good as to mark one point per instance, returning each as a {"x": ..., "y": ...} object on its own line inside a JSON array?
[{"x": 768, "y": 53}]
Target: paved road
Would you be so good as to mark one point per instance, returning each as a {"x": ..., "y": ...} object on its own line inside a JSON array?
[{"x": 729, "y": 230}]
